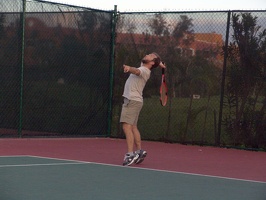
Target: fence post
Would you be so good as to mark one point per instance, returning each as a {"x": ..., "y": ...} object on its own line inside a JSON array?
[
  {"x": 111, "y": 77},
  {"x": 22, "y": 68},
  {"x": 218, "y": 136}
]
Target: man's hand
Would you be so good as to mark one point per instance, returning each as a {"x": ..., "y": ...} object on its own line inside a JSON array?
[
  {"x": 132, "y": 70},
  {"x": 126, "y": 68},
  {"x": 162, "y": 65}
]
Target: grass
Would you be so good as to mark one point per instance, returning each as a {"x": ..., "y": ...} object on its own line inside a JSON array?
[{"x": 154, "y": 122}]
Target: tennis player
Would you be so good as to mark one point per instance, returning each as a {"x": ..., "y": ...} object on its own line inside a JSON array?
[{"x": 133, "y": 102}]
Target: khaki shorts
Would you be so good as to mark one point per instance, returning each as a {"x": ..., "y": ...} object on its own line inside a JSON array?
[{"x": 130, "y": 111}]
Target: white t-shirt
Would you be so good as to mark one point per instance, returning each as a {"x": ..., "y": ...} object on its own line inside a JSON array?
[{"x": 135, "y": 84}]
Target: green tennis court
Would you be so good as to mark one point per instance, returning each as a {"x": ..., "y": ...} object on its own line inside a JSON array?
[{"x": 32, "y": 178}]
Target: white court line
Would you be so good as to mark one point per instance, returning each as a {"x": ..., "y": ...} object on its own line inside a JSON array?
[
  {"x": 167, "y": 171},
  {"x": 33, "y": 165},
  {"x": 74, "y": 162},
  {"x": 62, "y": 159},
  {"x": 185, "y": 173},
  {"x": 12, "y": 156},
  {"x": 128, "y": 167}
]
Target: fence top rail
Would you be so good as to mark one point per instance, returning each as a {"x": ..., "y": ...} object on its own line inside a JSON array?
[
  {"x": 78, "y": 7},
  {"x": 183, "y": 11}
]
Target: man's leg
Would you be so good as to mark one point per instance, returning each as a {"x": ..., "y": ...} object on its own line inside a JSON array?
[
  {"x": 137, "y": 137},
  {"x": 127, "y": 128},
  {"x": 142, "y": 154},
  {"x": 130, "y": 156}
]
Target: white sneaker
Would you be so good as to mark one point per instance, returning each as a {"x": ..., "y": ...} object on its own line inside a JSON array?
[
  {"x": 142, "y": 154},
  {"x": 129, "y": 160}
]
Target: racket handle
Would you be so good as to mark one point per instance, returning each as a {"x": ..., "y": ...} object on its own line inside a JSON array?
[{"x": 162, "y": 70}]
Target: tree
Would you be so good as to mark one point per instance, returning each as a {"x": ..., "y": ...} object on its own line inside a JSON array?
[
  {"x": 174, "y": 38},
  {"x": 95, "y": 27},
  {"x": 171, "y": 37},
  {"x": 246, "y": 81}
]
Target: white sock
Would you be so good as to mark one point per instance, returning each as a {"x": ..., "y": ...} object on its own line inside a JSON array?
[
  {"x": 138, "y": 151},
  {"x": 130, "y": 153}
]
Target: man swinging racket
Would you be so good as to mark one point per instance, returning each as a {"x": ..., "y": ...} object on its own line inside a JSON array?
[{"x": 133, "y": 102}]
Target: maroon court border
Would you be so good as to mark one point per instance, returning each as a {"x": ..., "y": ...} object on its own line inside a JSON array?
[{"x": 211, "y": 161}]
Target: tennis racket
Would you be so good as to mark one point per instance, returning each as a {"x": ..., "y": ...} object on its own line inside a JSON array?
[{"x": 163, "y": 90}]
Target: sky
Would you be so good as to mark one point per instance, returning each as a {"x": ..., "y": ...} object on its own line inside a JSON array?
[{"x": 168, "y": 5}]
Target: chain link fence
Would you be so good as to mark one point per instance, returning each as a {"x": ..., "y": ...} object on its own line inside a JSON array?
[
  {"x": 54, "y": 69},
  {"x": 61, "y": 73},
  {"x": 207, "y": 105}
]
